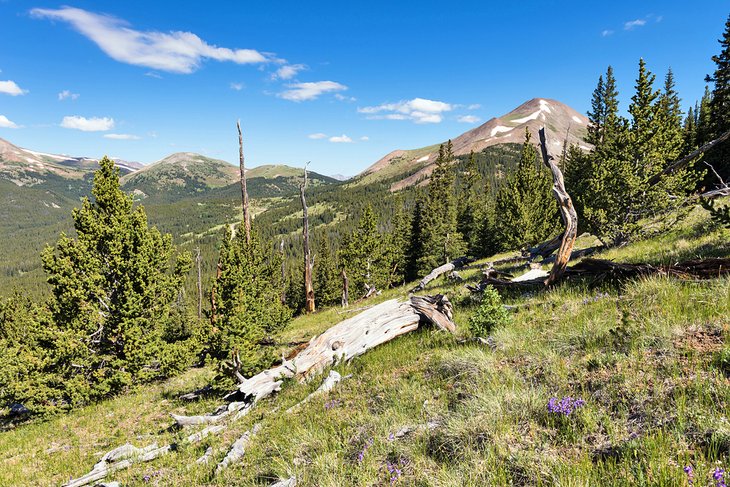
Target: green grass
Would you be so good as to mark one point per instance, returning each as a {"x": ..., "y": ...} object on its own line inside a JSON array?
[{"x": 649, "y": 357}]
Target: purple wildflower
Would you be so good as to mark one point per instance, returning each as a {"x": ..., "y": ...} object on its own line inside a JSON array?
[
  {"x": 394, "y": 471},
  {"x": 391, "y": 437},
  {"x": 361, "y": 454},
  {"x": 565, "y": 406},
  {"x": 690, "y": 474},
  {"x": 331, "y": 404},
  {"x": 719, "y": 476}
]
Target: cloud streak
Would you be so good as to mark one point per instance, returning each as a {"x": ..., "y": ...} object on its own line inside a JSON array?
[
  {"x": 468, "y": 119},
  {"x": 633, "y": 24},
  {"x": 67, "y": 95},
  {"x": 175, "y": 52},
  {"x": 288, "y": 71},
  {"x": 340, "y": 139},
  {"x": 418, "y": 110},
  {"x": 310, "y": 91},
  {"x": 93, "y": 124},
  {"x": 317, "y": 136},
  {"x": 11, "y": 88},
  {"x": 121, "y": 136},
  {"x": 7, "y": 124}
]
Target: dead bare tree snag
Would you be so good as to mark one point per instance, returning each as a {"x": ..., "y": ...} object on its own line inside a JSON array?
[
  {"x": 200, "y": 283},
  {"x": 244, "y": 190},
  {"x": 308, "y": 264},
  {"x": 567, "y": 212},
  {"x": 451, "y": 266},
  {"x": 683, "y": 162}
]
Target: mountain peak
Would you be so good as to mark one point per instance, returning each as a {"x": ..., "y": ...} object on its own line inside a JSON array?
[{"x": 561, "y": 123}]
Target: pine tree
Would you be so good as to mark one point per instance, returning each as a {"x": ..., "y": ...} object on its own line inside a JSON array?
[
  {"x": 441, "y": 240},
  {"x": 114, "y": 289},
  {"x": 328, "y": 287},
  {"x": 644, "y": 141},
  {"x": 249, "y": 291},
  {"x": 397, "y": 244},
  {"x": 669, "y": 121},
  {"x": 719, "y": 106},
  {"x": 689, "y": 131},
  {"x": 525, "y": 208},
  {"x": 415, "y": 244},
  {"x": 704, "y": 119},
  {"x": 362, "y": 255},
  {"x": 469, "y": 206}
]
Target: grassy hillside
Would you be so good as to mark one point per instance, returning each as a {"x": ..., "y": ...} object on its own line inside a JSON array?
[{"x": 650, "y": 358}]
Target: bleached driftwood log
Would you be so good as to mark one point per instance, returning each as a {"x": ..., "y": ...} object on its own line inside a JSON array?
[
  {"x": 126, "y": 455},
  {"x": 453, "y": 265},
  {"x": 238, "y": 449},
  {"x": 290, "y": 482},
  {"x": 328, "y": 384},
  {"x": 348, "y": 339}
]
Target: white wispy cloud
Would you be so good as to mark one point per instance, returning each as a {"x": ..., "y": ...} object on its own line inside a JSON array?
[
  {"x": 340, "y": 139},
  {"x": 288, "y": 71},
  {"x": 474, "y": 106},
  {"x": 93, "y": 124},
  {"x": 176, "y": 52},
  {"x": 237, "y": 86},
  {"x": 419, "y": 110},
  {"x": 7, "y": 124},
  {"x": 606, "y": 32},
  {"x": 317, "y": 136},
  {"x": 342, "y": 97},
  {"x": 310, "y": 91},
  {"x": 468, "y": 119},
  {"x": 152, "y": 74},
  {"x": 121, "y": 136},
  {"x": 11, "y": 88},
  {"x": 632, "y": 24},
  {"x": 67, "y": 95},
  {"x": 364, "y": 138}
]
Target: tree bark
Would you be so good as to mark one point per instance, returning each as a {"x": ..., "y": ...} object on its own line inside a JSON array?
[
  {"x": 244, "y": 190},
  {"x": 567, "y": 212},
  {"x": 308, "y": 287}
]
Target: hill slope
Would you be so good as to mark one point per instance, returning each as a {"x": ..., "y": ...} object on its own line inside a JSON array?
[
  {"x": 649, "y": 358},
  {"x": 560, "y": 121}
]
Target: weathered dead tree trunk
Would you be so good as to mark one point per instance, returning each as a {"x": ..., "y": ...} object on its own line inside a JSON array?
[
  {"x": 200, "y": 283},
  {"x": 244, "y": 190},
  {"x": 345, "y": 290},
  {"x": 683, "y": 162},
  {"x": 453, "y": 265},
  {"x": 308, "y": 287},
  {"x": 348, "y": 339},
  {"x": 567, "y": 212},
  {"x": 238, "y": 449}
]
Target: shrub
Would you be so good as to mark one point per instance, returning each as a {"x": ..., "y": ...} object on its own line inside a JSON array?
[{"x": 490, "y": 314}]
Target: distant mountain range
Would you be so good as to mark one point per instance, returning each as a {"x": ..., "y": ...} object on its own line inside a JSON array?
[
  {"x": 560, "y": 121},
  {"x": 193, "y": 196}
]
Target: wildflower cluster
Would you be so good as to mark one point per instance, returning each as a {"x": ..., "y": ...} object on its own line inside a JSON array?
[
  {"x": 361, "y": 454},
  {"x": 595, "y": 298},
  {"x": 332, "y": 404},
  {"x": 565, "y": 406},
  {"x": 394, "y": 470},
  {"x": 690, "y": 474},
  {"x": 719, "y": 476}
]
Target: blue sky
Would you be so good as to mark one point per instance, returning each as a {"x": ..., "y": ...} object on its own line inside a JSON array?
[{"x": 337, "y": 83}]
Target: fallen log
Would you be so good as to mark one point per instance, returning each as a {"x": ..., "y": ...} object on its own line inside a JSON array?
[
  {"x": 603, "y": 270},
  {"x": 328, "y": 384},
  {"x": 453, "y": 265},
  {"x": 290, "y": 482},
  {"x": 238, "y": 449},
  {"x": 126, "y": 455},
  {"x": 683, "y": 162}
]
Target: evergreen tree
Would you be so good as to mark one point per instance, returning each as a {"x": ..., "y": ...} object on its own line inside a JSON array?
[
  {"x": 645, "y": 144},
  {"x": 704, "y": 120},
  {"x": 415, "y": 244},
  {"x": 525, "y": 208},
  {"x": 689, "y": 131},
  {"x": 469, "y": 206},
  {"x": 328, "y": 286},
  {"x": 397, "y": 244},
  {"x": 719, "y": 106},
  {"x": 441, "y": 240},
  {"x": 485, "y": 238},
  {"x": 669, "y": 120},
  {"x": 362, "y": 255},
  {"x": 249, "y": 296},
  {"x": 114, "y": 289}
]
